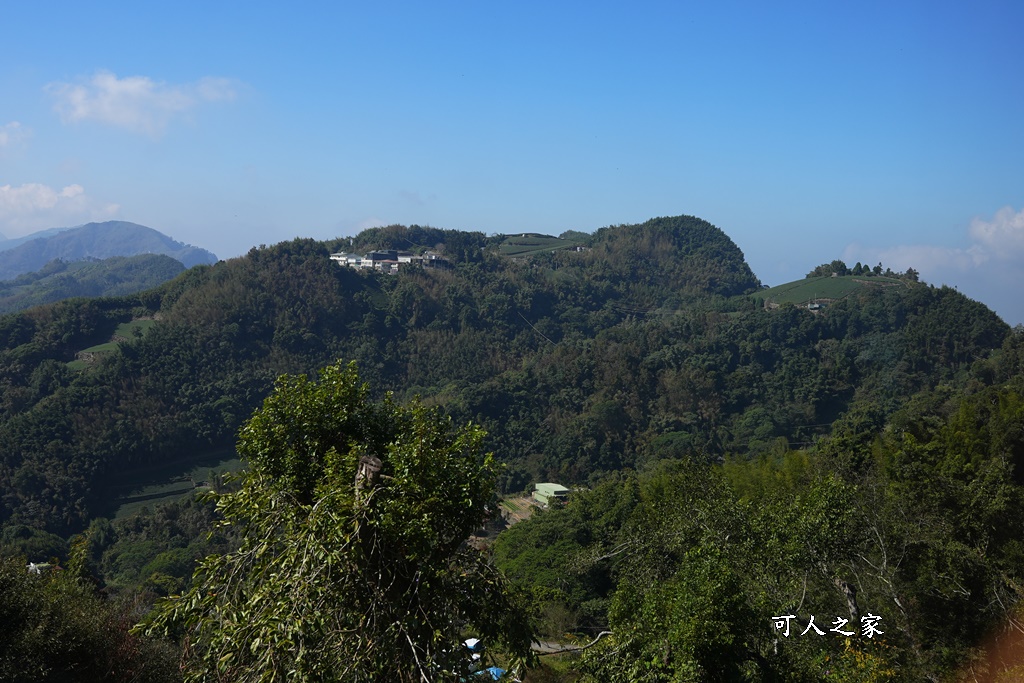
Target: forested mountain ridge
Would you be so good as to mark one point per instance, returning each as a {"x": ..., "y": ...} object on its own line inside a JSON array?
[
  {"x": 98, "y": 241},
  {"x": 11, "y": 243},
  {"x": 743, "y": 461},
  {"x": 655, "y": 262},
  {"x": 577, "y": 363}
]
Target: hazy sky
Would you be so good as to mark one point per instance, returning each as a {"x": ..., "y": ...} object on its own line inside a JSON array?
[{"x": 807, "y": 131}]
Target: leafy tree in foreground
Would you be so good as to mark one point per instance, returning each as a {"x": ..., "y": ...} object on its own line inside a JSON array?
[{"x": 354, "y": 565}]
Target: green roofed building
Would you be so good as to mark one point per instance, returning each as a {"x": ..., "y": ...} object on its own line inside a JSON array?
[{"x": 545, "y": 494}]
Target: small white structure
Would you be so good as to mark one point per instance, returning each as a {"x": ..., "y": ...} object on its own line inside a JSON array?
[{"x": 350, "y": 260}]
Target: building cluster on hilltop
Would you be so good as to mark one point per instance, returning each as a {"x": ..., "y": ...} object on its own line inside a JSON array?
[{"x": 389, "y": 261}]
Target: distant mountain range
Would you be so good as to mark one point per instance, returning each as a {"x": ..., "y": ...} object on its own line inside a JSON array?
[
  {"x": 92, "y": 241},
  {"x": 6, "y": 244},
  {"x": 115, "y": 276}
]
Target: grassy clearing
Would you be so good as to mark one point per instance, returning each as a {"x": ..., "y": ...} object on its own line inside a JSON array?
[
  {"x": 105, "y": 347},
  {"x": 125, "y": 331}
]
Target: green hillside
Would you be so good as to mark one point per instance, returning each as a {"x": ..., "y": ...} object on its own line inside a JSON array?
[
  {"x": 556, "y": 358},
  {"x": 728, "y": 458},
  {"x": 60, "y": 279}
]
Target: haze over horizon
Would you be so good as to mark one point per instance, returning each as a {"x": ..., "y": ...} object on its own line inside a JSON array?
[{"x": 868, "y": 132}]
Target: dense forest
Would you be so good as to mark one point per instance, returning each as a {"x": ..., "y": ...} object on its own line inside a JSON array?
[{"x": 733, "y": 463}]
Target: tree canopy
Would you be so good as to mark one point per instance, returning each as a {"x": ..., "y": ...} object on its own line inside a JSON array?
[{"x": 354, "y": 563}]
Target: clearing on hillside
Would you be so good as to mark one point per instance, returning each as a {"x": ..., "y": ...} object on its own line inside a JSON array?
[
  {"x": 824, "y": 289},
  {"x": 123, "y": 333}
]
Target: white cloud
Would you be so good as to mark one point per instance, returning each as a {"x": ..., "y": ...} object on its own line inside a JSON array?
[
  {"x": 136, "y": 103},
  {"x": 987, "y": 268},
  {"x": 33, "y": 206},
  {"x": 1000, "y": 239},
  {"x": 12, "y": 133},
  {"x": 1003, "y": 236}
]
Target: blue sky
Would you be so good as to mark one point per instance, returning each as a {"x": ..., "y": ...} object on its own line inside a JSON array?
[{"x": 807, "y": 131}]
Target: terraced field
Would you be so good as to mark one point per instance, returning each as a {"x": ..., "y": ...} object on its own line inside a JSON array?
[
  {"x": 532, "y": 243},
  {"x": 165, "y": 483},
  {"x": 823, "y": 289},
  {"x": 517, "y": 509}
]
